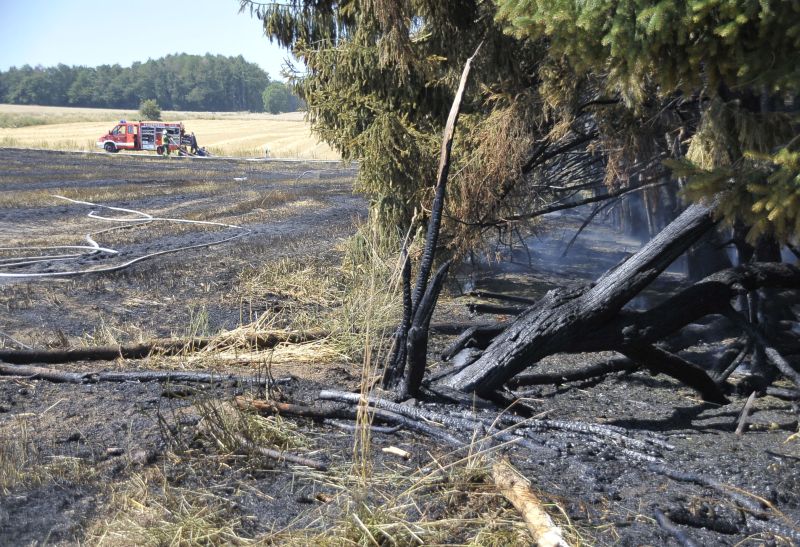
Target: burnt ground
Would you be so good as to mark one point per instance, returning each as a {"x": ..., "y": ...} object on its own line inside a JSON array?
[{"x": 131, "y": 463}]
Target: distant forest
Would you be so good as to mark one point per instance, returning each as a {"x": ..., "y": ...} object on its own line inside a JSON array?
[{"x": 176, "y": 82}]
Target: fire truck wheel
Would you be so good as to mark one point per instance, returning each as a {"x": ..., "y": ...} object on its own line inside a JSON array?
[{"x": 109, "y": 146}]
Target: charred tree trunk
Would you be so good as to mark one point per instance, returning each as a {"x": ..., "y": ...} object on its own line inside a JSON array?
[
  {"x": 568, "y": 328},
  {"x": 406, "y": 368}
]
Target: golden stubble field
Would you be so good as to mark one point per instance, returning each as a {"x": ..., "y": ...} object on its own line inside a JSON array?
[{"x": 239, "y": 134}]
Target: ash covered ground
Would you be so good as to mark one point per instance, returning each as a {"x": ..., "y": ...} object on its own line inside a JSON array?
[{"x": 102, "y": 463}]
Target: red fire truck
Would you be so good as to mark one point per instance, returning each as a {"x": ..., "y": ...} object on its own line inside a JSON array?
[{"x": 142, "y": 136}]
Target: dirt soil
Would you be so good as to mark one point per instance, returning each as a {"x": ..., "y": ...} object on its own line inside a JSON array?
[{"x": 101, "y": 463}]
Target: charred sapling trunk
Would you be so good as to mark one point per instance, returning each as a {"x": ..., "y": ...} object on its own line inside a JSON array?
[{"x": 406, "y": 368}]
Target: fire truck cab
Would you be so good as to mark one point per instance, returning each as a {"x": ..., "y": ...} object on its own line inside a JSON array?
[{"x": 141, "y": 136}]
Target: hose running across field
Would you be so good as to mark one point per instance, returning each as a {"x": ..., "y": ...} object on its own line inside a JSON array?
[{"x": 93, "y": 248}]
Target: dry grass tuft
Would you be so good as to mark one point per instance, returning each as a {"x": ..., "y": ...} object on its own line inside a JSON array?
[
  {"x": 352, "y": 302},
  {"x": 452, "y": 504},
  {"x": 231, "y": 430},
  {"x": 23, "y": 466},
  {"x": 146, "y": 510}
]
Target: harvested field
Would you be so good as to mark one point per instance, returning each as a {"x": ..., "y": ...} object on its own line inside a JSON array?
[
  {"x": 271, "y": 207},
  {"x": 238, "y": 134},
  {"x": 154, "y": 463}
]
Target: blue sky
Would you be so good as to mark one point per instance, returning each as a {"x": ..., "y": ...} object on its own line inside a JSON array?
[{"x": 94, "y": 32}]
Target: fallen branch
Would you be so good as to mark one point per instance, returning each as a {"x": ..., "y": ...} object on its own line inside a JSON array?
[
  {"x": 638, "y": 449},
  {"x": 91, "y": 377},
  {"x": 498, "y": 296},
  {"x": 458, "y": 328},
  {"x": 783, "y": 393},
  {"x": 323, "y": 413},
  {"x": 658, "y": 360},
  {"x": 755, "y": 526},
  {"x": 494, "y": 309},
  {"x": 744, "y": 499},
  {"x": 713, "y": 521},
  {"x": 373, "y": 428},
  {"x": 516, "y": 489},
  {"x": 563, "y": 317},
  {"x": 599, "y": 369},
  {"x": 165, "y": 346},
  {"x": 758, "y": 336},
  {"x": 478, "y": 336},
  {"x": 279, "y": 456},
  {"x": 733, "y": 365}
]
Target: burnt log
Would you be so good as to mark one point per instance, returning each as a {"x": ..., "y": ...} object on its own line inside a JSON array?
[
  {"x": 562, "y": 318},
  {"x": 165, "y": 376},
  {"x": 591, "y": 319}
]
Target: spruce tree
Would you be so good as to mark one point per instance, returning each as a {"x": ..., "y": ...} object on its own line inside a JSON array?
[
  {"x": 569, "y": 98},
  {"x": 736, "y": 59}
]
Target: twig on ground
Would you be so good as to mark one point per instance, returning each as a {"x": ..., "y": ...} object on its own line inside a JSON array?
[
  {"x": 670, "y": 527},
  {"x": 611, "y": 366},
  {"x": 282, "y": 457},
  {"x": 745, "y": 413},
  {"x": 373, "y": 428},
  {"x": 516, "y": 489},
  {"x": 90, "y": 377}
]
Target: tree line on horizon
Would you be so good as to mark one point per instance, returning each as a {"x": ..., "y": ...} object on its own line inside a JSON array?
[{"x": 175, "y": 82}]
